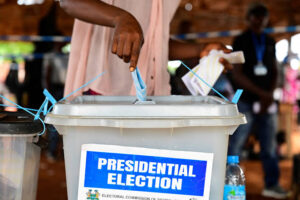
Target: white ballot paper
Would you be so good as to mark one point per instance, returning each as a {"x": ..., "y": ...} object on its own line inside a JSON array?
[{"x": 209, "y": 69}]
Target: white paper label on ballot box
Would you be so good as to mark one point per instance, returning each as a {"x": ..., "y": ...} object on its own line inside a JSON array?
[{"x": 119, "y": 172}]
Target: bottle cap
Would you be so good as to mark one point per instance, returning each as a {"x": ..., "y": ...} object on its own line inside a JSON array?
[{"x": 232, "y": 159}]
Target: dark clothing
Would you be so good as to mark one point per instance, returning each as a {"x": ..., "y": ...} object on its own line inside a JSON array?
[
  {"x": 244, "y": 43},
  {"x": 266, "y": 128},
  {"x": 266, "y": 122}
]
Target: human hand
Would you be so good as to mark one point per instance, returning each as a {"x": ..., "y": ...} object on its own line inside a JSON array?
[
  {"x": 217, "y": 46},
  {"x": 128, "y": 39}
]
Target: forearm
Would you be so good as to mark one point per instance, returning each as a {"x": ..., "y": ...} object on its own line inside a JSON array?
[
  {"x": 180, "y": 50},
  {"x": 93, "y": 11}
]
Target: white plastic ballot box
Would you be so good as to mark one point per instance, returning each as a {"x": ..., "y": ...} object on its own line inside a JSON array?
[{"x": 109, "y": 141}]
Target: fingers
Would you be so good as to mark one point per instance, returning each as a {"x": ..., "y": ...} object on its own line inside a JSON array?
[
  {"x": 121, "y": 43},
  {"x": 226, "y": 64},
  {"x": 122, "y": 47},
  {"x": 227, "y": 50},
  {"x": 210, "y": 46},
  {"x": 214, "y": 45},
  {"x": 128, "y": 49},
  {"x": 135, "y": 55},
  {"x": 114, "y": 45},
  {"x": 204, "y": 53}
]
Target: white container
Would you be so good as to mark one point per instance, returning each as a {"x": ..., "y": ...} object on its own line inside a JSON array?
[
  {"x": 184, "y": 123},
  {"x": 19, "y": 156}
]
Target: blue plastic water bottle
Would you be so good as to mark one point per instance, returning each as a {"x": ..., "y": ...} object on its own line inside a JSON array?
[{"x": 234, "y": 188}]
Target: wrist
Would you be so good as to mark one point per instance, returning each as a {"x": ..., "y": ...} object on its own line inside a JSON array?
[
  {"x": 122, "y": 15},
  {"x": 117, "y": 19}
]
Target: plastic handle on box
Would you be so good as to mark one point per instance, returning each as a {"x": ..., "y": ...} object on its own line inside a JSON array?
[
  {"x": 44, "y": 106},
  {"x": 49, "y": 96},
  {"x": 237, "y": 96}
]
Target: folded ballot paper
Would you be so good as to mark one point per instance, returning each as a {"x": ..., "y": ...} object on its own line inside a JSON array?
[{"x": 209, "y": 69}]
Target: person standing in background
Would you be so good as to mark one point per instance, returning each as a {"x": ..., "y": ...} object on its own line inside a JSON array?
[
  {"x": 138, "y": 32},
  {"x": 258, "y": 77},
  {"x": 47, "y": 26},
  {"x": 54, "y": 72}
]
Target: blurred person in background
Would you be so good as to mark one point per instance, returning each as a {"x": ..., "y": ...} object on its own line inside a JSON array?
[
  {"x": 258, "y": 76},
  {"x": 177, "y": 85},
  {"x": 15, "y": 79},
  {"x": 54, "y": 72},
  {"x": 137, "y": 31},
  {"x": 55, "y": 64},
  {"x": 4, "y": 91},
  {"x": 46, "y": 27}
]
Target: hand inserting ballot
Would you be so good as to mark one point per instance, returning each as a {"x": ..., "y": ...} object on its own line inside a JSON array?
[
  {"x": 217, "y": 46},
  {"x": 128, "y": 39}
]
